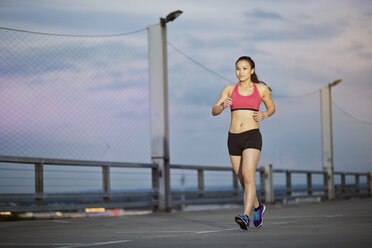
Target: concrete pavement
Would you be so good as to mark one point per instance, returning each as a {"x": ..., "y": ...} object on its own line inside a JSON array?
[{"x": 341, "y": 223}]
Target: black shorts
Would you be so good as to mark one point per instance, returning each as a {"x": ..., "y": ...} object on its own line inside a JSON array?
[{"x": 237, "y": 142}]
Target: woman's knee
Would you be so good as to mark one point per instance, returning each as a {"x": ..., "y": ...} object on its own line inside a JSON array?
[{"x": 248, "y": 180}]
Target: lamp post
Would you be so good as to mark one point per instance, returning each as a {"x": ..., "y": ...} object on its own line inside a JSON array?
[
  {"x": 327, "y": 138},
  {"x": 158, "y": 68}
]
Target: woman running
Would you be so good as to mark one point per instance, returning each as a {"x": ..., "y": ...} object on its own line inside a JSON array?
[{"x": 244, "y": 138}]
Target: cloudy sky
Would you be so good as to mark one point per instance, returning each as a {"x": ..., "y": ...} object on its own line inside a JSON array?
[{"x": 87, "y": 98}]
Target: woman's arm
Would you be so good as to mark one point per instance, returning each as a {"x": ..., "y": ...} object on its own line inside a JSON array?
[
  {"x": 223, "y": 102},
  {"x": 269, "y": 104}
]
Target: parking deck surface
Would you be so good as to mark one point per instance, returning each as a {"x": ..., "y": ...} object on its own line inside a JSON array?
[{"x": 340, "y": 223}]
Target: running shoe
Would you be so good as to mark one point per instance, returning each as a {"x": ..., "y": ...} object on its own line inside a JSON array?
[
  {"x": 257, "y": 216},
  {"x": 243, "y": 221}
]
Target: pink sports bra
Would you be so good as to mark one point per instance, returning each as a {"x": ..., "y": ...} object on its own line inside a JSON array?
[{"x": 251, "y": 102}]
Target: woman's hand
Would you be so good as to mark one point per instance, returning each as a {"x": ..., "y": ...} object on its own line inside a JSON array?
[
  {"x": 224, "y": 100},
  {"x": 259, "y": 116},
  {"x": 227, "y": 102}
]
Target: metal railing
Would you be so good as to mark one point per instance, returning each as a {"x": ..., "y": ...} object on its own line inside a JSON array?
[
  {"x": 202, "y": 196},
  {"x": 265, "y": 191},
  {"x": 39, "y": 196},
  {"x": 342, "y": 191}
]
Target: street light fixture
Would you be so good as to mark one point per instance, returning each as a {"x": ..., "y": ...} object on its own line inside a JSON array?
[
  {"x": 334, "y": 83},
  {"x": 170, "y": 17}
]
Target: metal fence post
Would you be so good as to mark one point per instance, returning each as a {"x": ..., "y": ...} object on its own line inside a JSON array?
[
  {"x": 288, "y": 183},
  {"x": 369, "y": 183},
  {"x": 262, "y": 182},
  {"x": 200, "y": 183},
  {"x": 39, "y": 183},
  {"x": 106, "y": 182},
  {"x": 357, "y": 190},
  {"x": 309, "y": 184},
  {"x": 268, "y": 183},
  {"x": 343, "y": 184}
]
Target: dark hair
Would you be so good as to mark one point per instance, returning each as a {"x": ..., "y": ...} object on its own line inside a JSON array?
[{"x": 254, "y": 77}]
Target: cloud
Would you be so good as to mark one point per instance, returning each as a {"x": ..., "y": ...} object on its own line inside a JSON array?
[
  {"x": 73, "y": 21},
  {"x": 360, "y": 49},
  {"x": 46, "y": 54},
  {"x": 258, "y": 13},
  {"x": 365, "y": 55},
  {"x": 356, "y": 46},
  {"x": 311, "y": 32},
  {"x": 367, "y": 13},
  {"x": 121, "y": 83}
]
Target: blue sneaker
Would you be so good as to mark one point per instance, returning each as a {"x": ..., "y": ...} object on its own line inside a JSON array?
[
  {"x": 243, "y": 221},
  {"x": 257, "y": 216}
]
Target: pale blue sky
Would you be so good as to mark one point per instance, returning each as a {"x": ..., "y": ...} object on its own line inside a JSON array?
[{"x": 298, "y": 47}]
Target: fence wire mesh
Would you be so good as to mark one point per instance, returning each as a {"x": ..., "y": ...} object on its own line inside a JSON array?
[{"x": 74, "y": 97}]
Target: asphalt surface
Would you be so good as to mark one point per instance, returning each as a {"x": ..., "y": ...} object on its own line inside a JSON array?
[{"x": 341, "y": 223}]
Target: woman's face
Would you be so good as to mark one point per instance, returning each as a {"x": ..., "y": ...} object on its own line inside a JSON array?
[{"x": 243, "y": 70}]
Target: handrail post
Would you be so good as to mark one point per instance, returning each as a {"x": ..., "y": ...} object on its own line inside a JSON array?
[
  {"x": 235, "y": 184},
  {"x": 309, "y": 183},
  {"x": 39, "y": 183},
  {"x": 357, "y": 184},
  {"x": 369, "y": 183},
  {"x": 343, "y": 184},
  {"x": 288, "y": 183},
  {"x": 262, "y": 183},
  {"x": 268, "y": 183},
  {"x": 357, "y": 187},
  {"x": 200, "y": 183},
  {"x": 106, "y": 183}
]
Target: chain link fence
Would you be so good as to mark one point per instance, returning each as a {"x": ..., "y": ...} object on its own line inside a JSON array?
[{"x": 74, "y": 97}]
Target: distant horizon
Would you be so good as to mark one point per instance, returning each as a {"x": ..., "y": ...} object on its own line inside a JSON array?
[{"x": 223, "y": 189}]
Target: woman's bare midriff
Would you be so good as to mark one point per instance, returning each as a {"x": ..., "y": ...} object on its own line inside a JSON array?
[{"x": 242, "y": 120}]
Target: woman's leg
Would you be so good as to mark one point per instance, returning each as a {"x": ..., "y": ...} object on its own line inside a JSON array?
[
  {"x": 236, "y": 162},
  {"x": 248, "y": 168}
]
